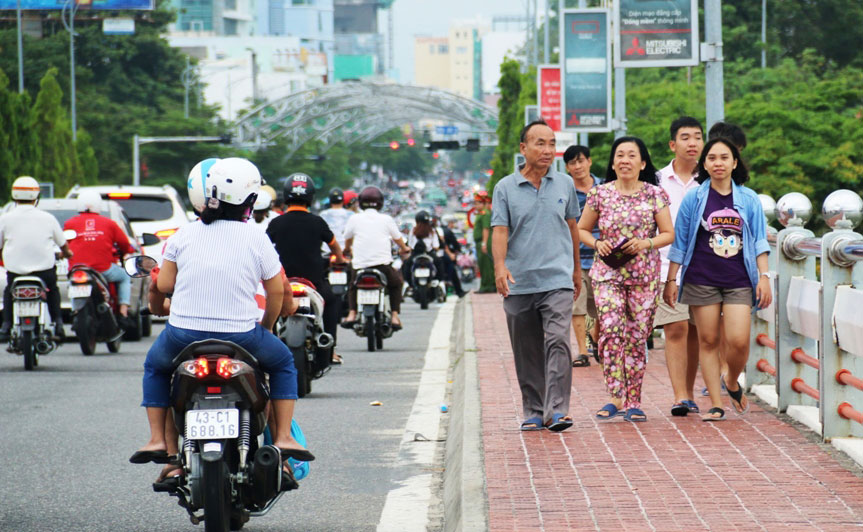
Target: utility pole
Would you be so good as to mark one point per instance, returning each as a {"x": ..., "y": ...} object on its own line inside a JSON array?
[
  {"x": 583, "y": 139},
  {"x": 546, "y": 51},
  {"x": 255, "y": 95},
  {"x": 535, "y": 34},
  {"x": 187, "y": 80},
  {"x": 20, "y": 49},
  {"x": 711, "y": 54},
  {"x": 71, "y": 10},
  {"x": 763, "y": 33}
]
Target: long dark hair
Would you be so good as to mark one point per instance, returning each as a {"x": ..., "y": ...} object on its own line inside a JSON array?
[
  {"x": 739, "y": 175},
  {"x": 422, "y": 229},
  {"x": 647, "y": 174},
  {"x": 228, "y": 211}
]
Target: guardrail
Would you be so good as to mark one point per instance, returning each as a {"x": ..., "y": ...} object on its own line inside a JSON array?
[{"x": 809, "y": 343}]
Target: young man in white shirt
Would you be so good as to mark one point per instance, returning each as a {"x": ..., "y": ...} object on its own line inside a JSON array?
[
  {"x": 681, "y": 337},
  {"x": 373, "y": 233}
]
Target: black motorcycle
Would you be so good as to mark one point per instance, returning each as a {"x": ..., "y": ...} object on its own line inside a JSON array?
[
  {"x": 95, "y": 312},
  {"x": 373, "y": 308},
  {"x": 425, "y": 285},
  {"x": 219, "y": 397},
  {"x": 339, "y": 277}
]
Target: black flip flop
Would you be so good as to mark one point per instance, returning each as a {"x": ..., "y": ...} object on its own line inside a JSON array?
[
  {"x": 145, "y": 457},
  {"x": 347, "y": 324},
  {"x": 302, "y": 455},
  {"x": 737, "y": 397},
  {"x": 714, "y": 410},
  {"x": 396, "y": 326},
  {"x": 581, "y": 361}
]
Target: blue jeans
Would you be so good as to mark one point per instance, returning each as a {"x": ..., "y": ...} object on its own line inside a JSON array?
[
  {"x": 118, "y": 276},
  {"x": 274, "y": 357}
]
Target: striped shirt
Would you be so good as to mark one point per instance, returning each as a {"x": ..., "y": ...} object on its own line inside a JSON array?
[{"x": 219, "y": 267}]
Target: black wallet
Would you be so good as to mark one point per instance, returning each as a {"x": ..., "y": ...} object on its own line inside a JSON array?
[{"x": 617, "y": 257}]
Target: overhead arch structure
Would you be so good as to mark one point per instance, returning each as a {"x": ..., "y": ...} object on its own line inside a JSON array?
[{"x": 352, "y": 112}]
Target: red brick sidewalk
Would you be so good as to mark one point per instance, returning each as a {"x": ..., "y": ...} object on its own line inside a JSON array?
[{"x": 747, "y": 473}]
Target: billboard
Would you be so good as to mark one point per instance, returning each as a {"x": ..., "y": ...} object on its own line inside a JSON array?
[
  {"x": 548, "y": 94},
  {"x": 585, "y": 39},
  {"x": 650, "y": 33},
  {"x": 38, "y": 5}
]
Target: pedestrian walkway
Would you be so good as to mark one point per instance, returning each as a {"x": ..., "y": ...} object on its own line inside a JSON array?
[{"x": 754, "y": 472}]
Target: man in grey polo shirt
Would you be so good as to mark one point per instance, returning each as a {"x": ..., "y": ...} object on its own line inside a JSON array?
[{"x": 535, "y": 247}]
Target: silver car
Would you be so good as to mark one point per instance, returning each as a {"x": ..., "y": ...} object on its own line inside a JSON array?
[{"x": 64, "y": 209}]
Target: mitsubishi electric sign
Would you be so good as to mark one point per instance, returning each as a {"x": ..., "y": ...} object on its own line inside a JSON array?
[{"x": 654, "y": 33}]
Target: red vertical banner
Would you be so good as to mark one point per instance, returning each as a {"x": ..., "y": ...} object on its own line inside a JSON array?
[{"x": 549, "y": 94}]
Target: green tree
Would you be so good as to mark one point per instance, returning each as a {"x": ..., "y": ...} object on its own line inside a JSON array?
[
  {"x": 510, "y": 121},
  {"x": 58, "y": 161},
  {"x": 86, "y": 158},
  {"x": 18, "y": 145}
]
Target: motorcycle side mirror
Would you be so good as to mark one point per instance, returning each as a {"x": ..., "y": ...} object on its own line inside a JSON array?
[
  {"x": 139, "y": 265},
  {"x": 70, "y": 234},
  {"x": 149, "y": 239}
]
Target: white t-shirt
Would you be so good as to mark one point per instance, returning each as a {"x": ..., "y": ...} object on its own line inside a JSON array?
[
  {"x": 219, "y": 267},
  {"x": 373, "y": 233},
  {"x": 676, "y": 189},
  {"x": 266, "y": 221},
  {"x": 432, "y": 242},
  {"x": 337, "y": 219},
  {"x": 29, "y": 237}
]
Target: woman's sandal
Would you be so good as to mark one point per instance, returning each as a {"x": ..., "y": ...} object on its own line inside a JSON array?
[
  {"x": 581, "y": 361},
  {"x": 710, "y": 414},
  {"x": 607, "y": 412},
  {"x": 737, "y": 399},
  {"x": 635, "y": 415}
]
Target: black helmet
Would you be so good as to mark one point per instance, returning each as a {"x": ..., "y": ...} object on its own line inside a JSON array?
[
  {"x": 337, "y": 197},
  {"x": 371, "y": 198},
  {"x": 422, "y": 217},
  {"x": 299, "y": 188}
]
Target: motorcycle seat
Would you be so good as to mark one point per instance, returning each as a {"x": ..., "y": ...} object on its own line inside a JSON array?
[{"x": 214, "y": 347}]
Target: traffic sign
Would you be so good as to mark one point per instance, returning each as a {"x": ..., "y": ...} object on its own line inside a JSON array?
[{"x": 446, "y": 130}]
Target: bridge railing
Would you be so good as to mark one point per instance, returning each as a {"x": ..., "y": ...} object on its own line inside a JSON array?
[{"x": 806, "y": 350}]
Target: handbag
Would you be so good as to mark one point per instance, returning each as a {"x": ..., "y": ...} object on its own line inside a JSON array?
[{"x": 617, "y": 257}]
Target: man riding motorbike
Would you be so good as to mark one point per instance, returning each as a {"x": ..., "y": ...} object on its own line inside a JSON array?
[
  {"x": 337, "y": 216},
  {"x": 28, "y": 237},
  {"x": 221, "y": 248},
  {"x": 451, "y": 249},
  {"x": 298, "y": 235},
  {"x": 423, "y": 239},
  {"x": 97, "y": 241},
  {"x": 373, "y": 233}
]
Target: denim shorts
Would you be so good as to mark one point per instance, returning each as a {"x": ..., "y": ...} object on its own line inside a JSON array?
[{"x": 273, "y": 356}]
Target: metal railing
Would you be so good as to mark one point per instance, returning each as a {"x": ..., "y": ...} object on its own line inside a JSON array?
[{"x": 809, "y": 343}]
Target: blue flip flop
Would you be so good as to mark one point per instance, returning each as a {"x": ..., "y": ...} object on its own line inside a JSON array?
[
  {"x": 559, "y": 422},
  {"x": 632, "y": 413},
  {"x": 612, "y": 410},
  {"x": 690, "y": 404},
  {"x": 533, "y": 423}
]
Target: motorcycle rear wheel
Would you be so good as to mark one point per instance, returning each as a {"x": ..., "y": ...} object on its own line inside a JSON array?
[
  {"x": 303, "y": 378},
  {"x": 26, "y": 343},
  {"x": 114, "y": 347},
  {"x": 85, "y": 330},
  {"x": 217, "y": 502},
  {"x": 423, "y": 297},
  {"x": 371, "y": 334}
]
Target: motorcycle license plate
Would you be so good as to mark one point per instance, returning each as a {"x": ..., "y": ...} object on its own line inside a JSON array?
[
  {"x": 338, "y": 277},
  {"x": 368, "y": 297},
  {"x": 27, "y": 309},
  {"x": 422, "y": 272},
  {"x": 79, "y": 290},
  {"x": 213, "y": 424}
]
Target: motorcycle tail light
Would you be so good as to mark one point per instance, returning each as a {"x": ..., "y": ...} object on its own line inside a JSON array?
[
  {"x": 368, "y": 282},
  {"x": 214, "y": 389},
  {"x": 28, "y": 321},
  {"x": 80, "y": 277},
  {"x": 28, "y": 292},
  {"x": 165, "y": 233},
  {"x": 228, "y": 367},
  {"x": 200, "y": 368},
  {"x": 298, "y": 290}
]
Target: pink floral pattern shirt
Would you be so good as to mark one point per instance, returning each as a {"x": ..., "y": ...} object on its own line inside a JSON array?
[{"x": 632, "y": 216}]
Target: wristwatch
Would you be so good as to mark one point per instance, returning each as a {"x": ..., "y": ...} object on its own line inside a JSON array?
[{"x": 764, "y": 274}]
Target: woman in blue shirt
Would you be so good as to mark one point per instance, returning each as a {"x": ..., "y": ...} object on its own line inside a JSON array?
[{"x": 721, "y": 244}]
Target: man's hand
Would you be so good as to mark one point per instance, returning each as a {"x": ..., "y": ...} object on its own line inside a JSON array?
[
  {"x": 576, "y": 282},
  {"x": 502, "y": 278}
]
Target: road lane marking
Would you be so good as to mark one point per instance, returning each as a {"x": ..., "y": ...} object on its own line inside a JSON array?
[{"x": 406, "y": 508}]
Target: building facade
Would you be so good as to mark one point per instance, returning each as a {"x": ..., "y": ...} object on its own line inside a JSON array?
[{"x": 432, "y": 60}]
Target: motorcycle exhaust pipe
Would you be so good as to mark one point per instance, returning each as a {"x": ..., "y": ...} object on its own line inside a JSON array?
[
  {"x": 386, "y": 329},
  {"x": 266, "y": 474},
  {"x": 325, "y": 340},
  {"x": 103, "y": 308},
  {"x": 44, "y": 347}
]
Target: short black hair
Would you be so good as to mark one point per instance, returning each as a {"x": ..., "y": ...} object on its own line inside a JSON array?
[
  {"x": 732, "y": 132},
  {"x": 739, "y": 175},
  {"x": 684, "y": 121},
  {"x": 525, "y": 129},
  {"x": 574, "y": 151},
  {"x": 647, "y": 174}
]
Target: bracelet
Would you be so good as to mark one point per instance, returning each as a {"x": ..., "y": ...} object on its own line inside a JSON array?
[
  {"x": 650, "y": 240},
  {"x": 671, "y": 281},
  {"x": 764, "y": 274}
]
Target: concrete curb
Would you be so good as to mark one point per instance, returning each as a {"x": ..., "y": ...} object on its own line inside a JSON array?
[{"x": 465, "y": 498}]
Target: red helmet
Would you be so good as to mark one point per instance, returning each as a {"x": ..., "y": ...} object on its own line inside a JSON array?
[
  {"x": 371, "y": 198},
  {"x": 350, "y": 197}
]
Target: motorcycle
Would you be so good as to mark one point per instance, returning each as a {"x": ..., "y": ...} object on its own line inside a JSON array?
[
  {"x": 94, "y": 310},
  {"x": 303, "y": 333},
  {"x": 425, "y": 285},
  {"x": 338, "y": 275},
  {"x": 373, "y": 305},
  {"x": 32, "y": 327},
  {"x": 466, "y": 267},
  {"x": 219, "y": 397}
]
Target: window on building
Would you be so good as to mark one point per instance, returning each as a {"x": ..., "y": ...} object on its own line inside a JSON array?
[
  {"x": 461, "y": 50},
  {"x": 230, "y": 26},
  {"x": 230, "y": 5},
  {"x": 431, "y": 48},
  {"x": 443, "y": 49}
]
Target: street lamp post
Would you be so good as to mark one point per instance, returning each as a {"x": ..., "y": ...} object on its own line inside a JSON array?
[
  {"x": 71, "y": 7},
  {"x": 188, "y": 79},
  {"x": 20, "y": 49}
]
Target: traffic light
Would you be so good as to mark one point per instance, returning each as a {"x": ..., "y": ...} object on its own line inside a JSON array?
[
  {"x": 394, "y": 145},
  {"x": 411, "y": 142},
  {"x": 472, "y": 145},
  {"x": 443, "y": 145}
]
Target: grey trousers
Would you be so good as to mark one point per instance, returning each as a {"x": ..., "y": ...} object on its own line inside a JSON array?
[{"x": 539, "y": 334}]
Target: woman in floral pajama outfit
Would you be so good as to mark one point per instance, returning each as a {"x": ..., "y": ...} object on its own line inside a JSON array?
[{"x": 631, "y": 206}]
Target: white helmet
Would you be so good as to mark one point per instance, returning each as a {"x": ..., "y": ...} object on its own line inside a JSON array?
[
  {"x": 232, "y": 180},
  {"x": 89, "y": 200},
  {"x": 198, "y": 182},
  {"x": 264, "y": 200},
  {"x": 25, "y": 188}
]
